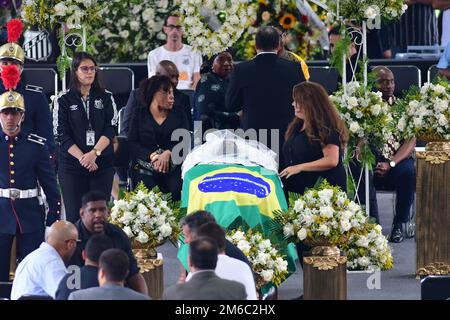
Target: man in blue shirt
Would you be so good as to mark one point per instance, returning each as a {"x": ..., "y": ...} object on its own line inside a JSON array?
[{"x": 444, "y": 63}]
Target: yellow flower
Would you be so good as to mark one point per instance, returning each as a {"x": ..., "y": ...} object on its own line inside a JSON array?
[
  {"x": 288, "y": 21},
  {"x": 264, "y": 2}
]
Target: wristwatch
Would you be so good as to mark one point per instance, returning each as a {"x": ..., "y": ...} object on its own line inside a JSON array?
[
  {"x": 392, "y": 164},
  {"x": 97, "y": 152}
]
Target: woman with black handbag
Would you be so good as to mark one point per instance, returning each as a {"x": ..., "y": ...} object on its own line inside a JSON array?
[
  {"x": 150, "y": 137},
  {"x": 85, "y": 119}
]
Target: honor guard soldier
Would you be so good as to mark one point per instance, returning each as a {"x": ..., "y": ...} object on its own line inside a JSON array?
[
  {"x": 24, "y": 165},
  {"x": 38, "y": 119}
]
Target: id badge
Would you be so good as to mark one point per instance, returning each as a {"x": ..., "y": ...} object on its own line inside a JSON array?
[{"x": 90, "y": 138}]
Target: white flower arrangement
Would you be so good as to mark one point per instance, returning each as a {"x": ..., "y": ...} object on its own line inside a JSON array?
[
  {"x": 74, "y": 13},
  {"x": 366, "y": 116},
  {"x": 323, "y": 215},
  {"x": 425, "y": 112},
  {"x": 145, "y": 217},
  {"x": 130, "y": 29},
  {"x": 268, "y": 264},
  {"x": 368, "y": 9},
  {"x": 211, "y": 26},
  {"x": 368, "y": 249}
]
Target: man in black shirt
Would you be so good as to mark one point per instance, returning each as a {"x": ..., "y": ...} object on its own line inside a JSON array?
[
  {"x": 94, "y": 213},
  {"x": 86, "y": 276}
]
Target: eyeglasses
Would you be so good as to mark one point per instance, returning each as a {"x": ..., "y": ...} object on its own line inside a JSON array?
[
  {"x": 171, "y": 27},
  {"x": 86, "y": 69},
  {"x": 76, "y": 240}
]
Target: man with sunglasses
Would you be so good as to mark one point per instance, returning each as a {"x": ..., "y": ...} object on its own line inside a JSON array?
[
  {"x": 38, "y": 119},
  {"x": 24, "y": 164},
  {"x": 187, "y": 61}
]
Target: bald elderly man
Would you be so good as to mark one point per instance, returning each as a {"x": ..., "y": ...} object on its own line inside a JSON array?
[{"x": 40, "y": 272}]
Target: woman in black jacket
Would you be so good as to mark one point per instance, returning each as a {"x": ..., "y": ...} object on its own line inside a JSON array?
[
  {"x": 85, "y": 119},
  {"x": 150, "y": 137}
]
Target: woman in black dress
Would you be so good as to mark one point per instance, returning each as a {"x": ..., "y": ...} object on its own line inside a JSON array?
[
  {"x": 314, "y": 141},
  {"x": 150, "y": 137}
]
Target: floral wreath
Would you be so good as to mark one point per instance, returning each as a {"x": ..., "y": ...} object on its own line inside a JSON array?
[
  {"x": 368, "y": 9},
  {"x": 213, "y": 26}
]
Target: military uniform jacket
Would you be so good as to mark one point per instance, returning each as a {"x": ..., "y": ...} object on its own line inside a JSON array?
[
  {"x": 71, "y": 123},
  {"x": 38, "y": 118},
  {"x": 25, "y": 161}
]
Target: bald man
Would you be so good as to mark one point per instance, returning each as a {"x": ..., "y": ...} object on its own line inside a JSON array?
[
  {"x": 41, "y": 271},
  {"x": 164, "y": 68},
  {"x": 385, "y": 83}
]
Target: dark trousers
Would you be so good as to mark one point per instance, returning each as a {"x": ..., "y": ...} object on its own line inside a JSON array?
[
  {"x": 357, "y": 170},
  {"x": 74, "y": 187},
  {"x": 25, "y": 243},
  {"x": 402, "y": 180},
  {"x": 166, "y": 182}
]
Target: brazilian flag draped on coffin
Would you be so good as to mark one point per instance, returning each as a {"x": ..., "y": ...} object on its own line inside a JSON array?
[{"x": 239, "y": 196}]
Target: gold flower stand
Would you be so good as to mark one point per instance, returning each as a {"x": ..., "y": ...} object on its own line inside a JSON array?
[
  {"x": 324, "y": 274},
  {"x": 151, "y": 269},
  {"x": 433, "y": 205}
]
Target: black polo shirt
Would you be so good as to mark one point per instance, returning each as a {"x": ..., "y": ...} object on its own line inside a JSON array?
[
  {"x": 118, "y": 237},
  {"x": 88, "y": 279}
]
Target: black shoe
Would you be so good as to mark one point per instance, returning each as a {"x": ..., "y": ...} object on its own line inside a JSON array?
[{"x": 396, "y": 235}]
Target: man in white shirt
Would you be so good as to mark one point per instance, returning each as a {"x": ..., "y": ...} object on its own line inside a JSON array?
[
  {"x": 41, "y": 271},
  {"x": 228, "y": 268},
  {"x": 187, "y": 61}
]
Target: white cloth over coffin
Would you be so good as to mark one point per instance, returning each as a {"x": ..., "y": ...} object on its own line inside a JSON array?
[{"x": 223, "y": 146}]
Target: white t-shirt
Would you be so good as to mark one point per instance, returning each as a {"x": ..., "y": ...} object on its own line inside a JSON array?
[
  {"x": 39, "y": 273},
  {"x": 445, "y": 28},
  {"x": 187, "y": 61}
]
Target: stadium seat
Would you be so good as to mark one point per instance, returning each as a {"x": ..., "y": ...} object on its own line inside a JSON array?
[
  {"x": 432, "y": 72},
  {"x": 46, "y": 78},
  {"x": 435, "y": 288},
  {"x": 326, "y": 76},
  {"x": 120, "y": 81}
]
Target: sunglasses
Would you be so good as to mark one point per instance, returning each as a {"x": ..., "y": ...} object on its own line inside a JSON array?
[{"x": 86, "y": 69}]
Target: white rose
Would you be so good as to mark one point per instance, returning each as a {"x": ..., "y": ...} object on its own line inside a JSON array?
[
  {"x": 166, "y": 230},
  {"x": 375, "y": 109},
  {"x": 363, "y": 242},
  {"x": 354, "y": 127},
  {"x": 128, "y": 231},
  {"x": 345, "y": 225},
  {"x": 364, "y": 261},
  {"x": 60, "y": 9},
  {"x": 299, "y": 205},
  {"x": 142, "y": 237},
  {"x": 417, "y": 122},
  {"x": 325, "y": 196},
  {"x": 134, "y": 25},
  {"x": 352, "y": 102},
  {"x": 288, "y": 230},
  {"x": 371, "y": 12},
  {"x": 244, "y": 246},
  {"x": 267, "y": 275},
  {"x": 301, "y": 234},
  {"x": 439, "y": 89},
  {"x": 326, "y": 212},
  {"x": 324, "y": 230},
  {"x": 442, "y": 120}
]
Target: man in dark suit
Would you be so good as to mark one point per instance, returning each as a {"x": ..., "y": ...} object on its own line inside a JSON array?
[
  {"x": 113, "y": 269},
  {"x": 204, "y": 283},
  {"x": 182, "y": 100},
  {"x": 86, "y": 276},
  {"x": 262, "y": 88}
]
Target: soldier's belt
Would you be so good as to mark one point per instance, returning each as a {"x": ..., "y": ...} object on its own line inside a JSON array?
[{"x": 13, "y": 193}]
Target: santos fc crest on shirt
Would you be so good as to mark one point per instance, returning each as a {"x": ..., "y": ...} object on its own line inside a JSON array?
[{"x": 98, "y": 104}]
